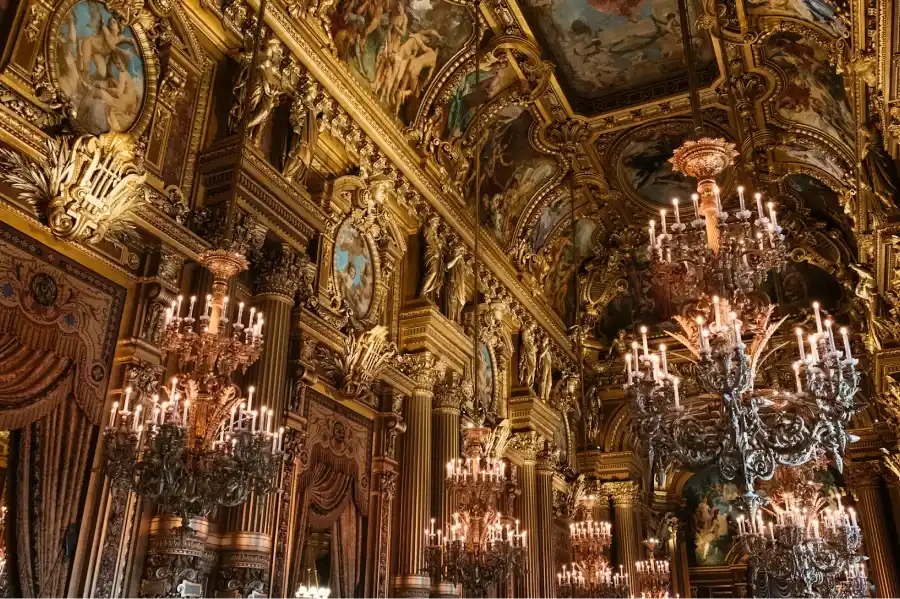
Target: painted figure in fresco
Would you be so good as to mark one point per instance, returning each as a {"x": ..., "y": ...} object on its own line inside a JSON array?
[
  {"x": 345, "y": 285},
  {"x": 528, "y": 356},
  {"x": 456, "y": 284},
  {"x": 99, "y": 71},
  {"x": 623, "y": 8},
  {"x": 709, "y": 525},
  {"x": 546, "y": 366}
]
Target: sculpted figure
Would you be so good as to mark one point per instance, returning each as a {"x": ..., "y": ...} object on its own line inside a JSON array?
[
  {"x": 305, "y": 124},
  {"x": 877, "y": 170},
  {"x": 434, "y": 257},
  {"x": 267, "y": 87},
  {"x": 546, "y": 365},
  {"x": 456, "y": 284},
  {"x": 528, "y": 356}
]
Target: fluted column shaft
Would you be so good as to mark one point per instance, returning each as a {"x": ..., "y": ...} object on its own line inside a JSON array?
[
  {"x": 545, "y": 526},
  {"x": 628, "y": 545},
  {"x": 445, "y": 423},
  {"x": 893, "y": 486},
  {"x": 528, "y": 515},
  {"x": 864, "y": 480},
  {"x": 414, "y": 499}
]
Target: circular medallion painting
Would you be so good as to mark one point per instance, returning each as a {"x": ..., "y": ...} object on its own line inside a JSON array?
[
  {"x": 99, "y": 67},
  {"x": 353, "y": 270}
]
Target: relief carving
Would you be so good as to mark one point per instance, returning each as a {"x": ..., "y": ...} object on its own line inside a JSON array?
[{"x": 359, "y": 364}]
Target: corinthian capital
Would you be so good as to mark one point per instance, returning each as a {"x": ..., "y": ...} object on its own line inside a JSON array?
[
  {"x": 528, "y": 443},
  {"x": 281, "y": 270},
  {"x": 424, "y": 368},
  {"x": 624, "y": 493},
  {"x": 451, "y": 393},
  {"x": 864, "y": 474}
]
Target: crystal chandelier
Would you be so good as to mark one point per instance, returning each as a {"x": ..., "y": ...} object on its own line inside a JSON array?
[
  {"x": 805, "y": 541},
  {"x": 744, "y": 431},
  {"x": 684, "y": 259},
  {"x": 311, "y": 589},
  {"x": 204, "y": 446},
  {"x": 479, "y": 548},
  {"x": 654, "y": 575},
  {"x": 590, "y": 574}
]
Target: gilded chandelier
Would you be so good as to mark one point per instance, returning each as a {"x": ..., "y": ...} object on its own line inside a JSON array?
[
  {"x": 590, "y": 574},
  {"x": 744, "y": 431},
  {"x": 204, "y": 446},
  {"x": 687, "y": 258},
  {"x": 805, "y": 541},
  {"x": 479, "y": 548},
  {"x": 654, "y": 575}
]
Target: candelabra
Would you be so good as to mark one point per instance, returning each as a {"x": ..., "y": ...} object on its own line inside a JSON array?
[
  {"x": 479, "y": 548},
  {"x": 161, "y": 457},
  {"x": 809, "y": 543},
  {"x": 311, "y": 589},
  {"x": 654, "y": 575},
  {"x": 744, "y": 431},
  {"x": 684, "y": 260},
  {"x": 593, "y": 581},
  {"x": 590, "y": 574}
]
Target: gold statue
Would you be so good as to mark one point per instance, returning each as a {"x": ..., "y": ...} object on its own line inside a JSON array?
[
  {"x": 528, "y": 355},
  {"x": 545, "y": 386},
  {"x": 456, "y": 283},
  {"x": 434, "y": 260},
  {"x": 305, "y": 123},
  {"x": 269, "y": 82},
  {"x": 876, "y": 168}
]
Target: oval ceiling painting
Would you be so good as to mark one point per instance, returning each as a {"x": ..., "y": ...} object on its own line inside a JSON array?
[
  {"x": 99, "y": 67},
  {"x": 353, "y": 270},
  {"x": 644, "y": 167}
]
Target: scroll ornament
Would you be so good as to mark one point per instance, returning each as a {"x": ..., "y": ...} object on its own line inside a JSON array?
[{"x": 85, "y": 189}]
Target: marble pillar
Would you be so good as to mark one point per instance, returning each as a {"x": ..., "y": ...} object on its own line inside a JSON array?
[
  {"x": 864, "y": 481},
  {"x": 414, "y": 498},
  {"x": 544, "y": 546},
  {"x": 624, "y": 496}
]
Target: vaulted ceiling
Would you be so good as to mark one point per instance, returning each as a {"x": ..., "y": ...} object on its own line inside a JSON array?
[{"x": 768, "y": 81}]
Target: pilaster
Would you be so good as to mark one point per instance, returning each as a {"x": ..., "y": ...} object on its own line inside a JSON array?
[
  {"x": 528, "y": 444},
  {"x": 545, "y": 470},
  {"x": 864, "y": 480}
]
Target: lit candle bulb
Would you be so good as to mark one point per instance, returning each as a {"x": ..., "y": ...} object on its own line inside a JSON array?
[
  {"x": 665, "y": 361},
  {"x": 644, "y": 339},
  {"x": 759, "y": 206},
  {"x": 818, "y": 317},
  {"x": 652, "y": 234},
  {"x": 677, "y": 211},
  {"x": 184, "y": 416},
  {"x": 772, "y": 215},
  {"x": 675, "y": 382},
  {"x": 799, "y": 332},
  {"x": 830, "y": 335},
  {"x": 178, "y": 308},
  {"x": 759, "y": 241},
  {"x": 191, "y": 307},
  {"x": 845, "y": 334},
  {"x": 250, "y": 390},
  {"x": 137, "y": 416},
  {"x": 797, "y": 377},
  {"x": 813, "y": 350},
  {"x": 662, "y": 222},
  {"x": 112, "y": 413},
  {"x": 696, "y": 199},
  {"x": 740, "y": 191},
  {"x": 240, "y": 312},
  {"x": 207, "y": 309},
  {"x": 127, "y": 398}
]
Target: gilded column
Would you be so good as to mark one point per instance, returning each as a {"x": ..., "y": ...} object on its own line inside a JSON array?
[
  {"x": 247, "y": 545},
  {"x": 892, "y": 478},
  {"x": 414, "y": 501},
  {"x": 545, "y": 470},
  {"x": 445, "y": 423},
  {"x": 864, "y": 479},
  {"x": 528, "y": 444},
  {"x": 628, "y": 545}
]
